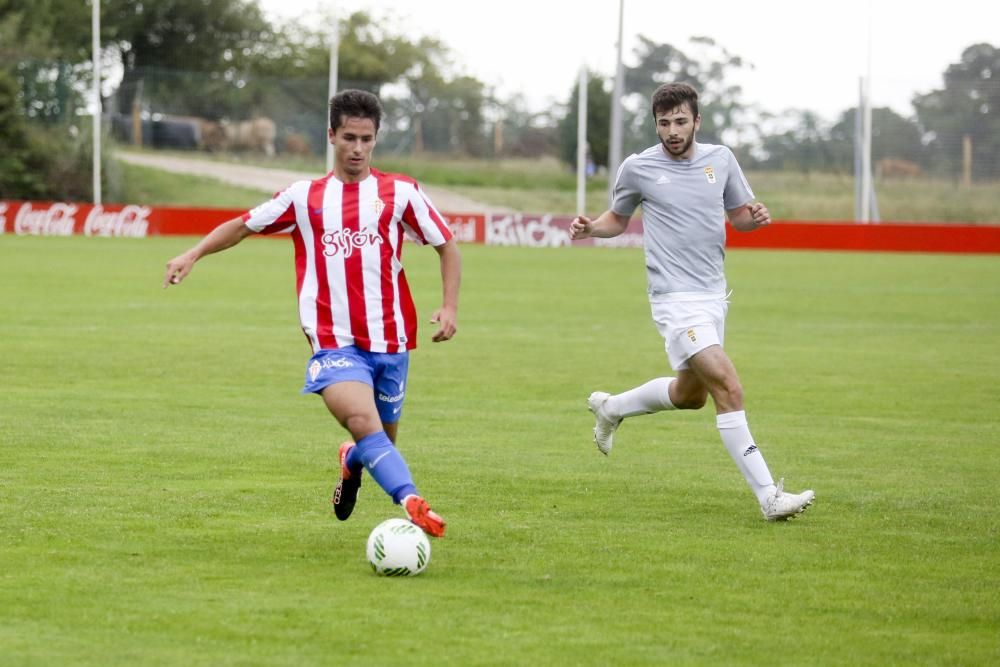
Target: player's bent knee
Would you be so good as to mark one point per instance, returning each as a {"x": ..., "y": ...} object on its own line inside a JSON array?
[
  {"x": 694, "y": 400},
  {"x": 360, "y": 425},
  {"x": 691, "y": 402}
]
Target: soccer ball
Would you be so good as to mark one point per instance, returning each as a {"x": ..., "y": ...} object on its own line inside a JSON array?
[{"x": 398, "y": 548}]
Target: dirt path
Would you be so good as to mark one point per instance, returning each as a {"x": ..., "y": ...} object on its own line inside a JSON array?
[{"x": 272, "y": 180}]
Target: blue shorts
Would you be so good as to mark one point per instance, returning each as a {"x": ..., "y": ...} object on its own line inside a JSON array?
[{"x": 384, "y": 373}]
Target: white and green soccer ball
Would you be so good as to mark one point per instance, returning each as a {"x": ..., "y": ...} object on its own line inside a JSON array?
[{"x": 398, "y": 548}]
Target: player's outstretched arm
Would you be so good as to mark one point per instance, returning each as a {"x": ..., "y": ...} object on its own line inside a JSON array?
[
  {"x": 224, "y": 236},
  {"x": 749, "y": 217},
  {"x": 446, "y": 317},
  {"x": 606, "y": 225}
]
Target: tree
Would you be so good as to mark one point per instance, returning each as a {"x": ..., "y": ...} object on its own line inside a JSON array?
[
  {"x": 19, "y": 174},
  {"x": 437, "y": 111},
  {"x": 968, "y": 105},
  {"x": 598, "y": 121},
  {"x": 370, "y": 54},
  {"x": 893, "y": 137},
  {"x": 524, "y": 133},
  {"x": 160, "y": 42},
  {"x": 802, "y": 145},
  {"x": 42, "y": 48},
  {"x": 44, "y": 30},
  {"x": 798, "y": 139},
  {"x": 444, "y": 115},
  {"x": 43, "y": 60},
  {"x": 39, "y": 162}
]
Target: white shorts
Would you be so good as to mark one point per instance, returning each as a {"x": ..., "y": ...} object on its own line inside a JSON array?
[{"x": 689, "y": 323}]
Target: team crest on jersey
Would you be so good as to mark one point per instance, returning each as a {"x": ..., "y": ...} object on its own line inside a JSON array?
[
  {"x": 378, "y": 205},
  {"x": 710, "y": 174}
]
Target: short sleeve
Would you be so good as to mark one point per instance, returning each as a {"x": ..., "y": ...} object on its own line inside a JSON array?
[
  {"x": 626, "y": 195},
  {"x": 275, "y": 216},
  {"x": 422, "y": 220},
  {"x": 737, "y": 192}
]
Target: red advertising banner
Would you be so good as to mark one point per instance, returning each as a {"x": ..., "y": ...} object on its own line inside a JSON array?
[
  {"x": 888, "y": 237},
  {"x": 34, "y": 218},
  {"x": 507, "y": 229},
  {"x": 551, "y": 231},
  {"x": 39, "y": 218}
]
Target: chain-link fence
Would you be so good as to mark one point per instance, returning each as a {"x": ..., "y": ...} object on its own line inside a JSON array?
[{"x": 949, "y": 135}]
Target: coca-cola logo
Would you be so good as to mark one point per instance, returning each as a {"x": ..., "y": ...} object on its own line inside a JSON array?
[
  {"x": 132, "y": 221},
  {"x": 56, "y": 220},
  {"x": 3, "y": 218},
  {"x": 515, "y": 229},
  {"x": 345, "y": 241}
]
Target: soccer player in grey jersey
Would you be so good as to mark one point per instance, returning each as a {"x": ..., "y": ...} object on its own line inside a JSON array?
[{"x": 687, "y": 189}]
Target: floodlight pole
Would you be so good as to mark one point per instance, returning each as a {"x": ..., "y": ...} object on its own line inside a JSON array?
[
  {"x": 869, "y": 200},
  {"x": 615, "y": 143},
  {"x": 581, "y": 145},
  {"x": 866, "y": 130},
  {"x": 858, "y": 164},
  {"x": 95, "y": 27},
  {"x": 332, "y": 88},
  {"x": 866, "y": 152}
]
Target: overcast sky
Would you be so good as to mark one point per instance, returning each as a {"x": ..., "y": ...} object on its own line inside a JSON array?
[{"x": 805, "y": 54}]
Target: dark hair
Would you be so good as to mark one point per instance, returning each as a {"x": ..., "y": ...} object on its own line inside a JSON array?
[
  {"x": 670, "y": 96},
  {"x": 354, "y": 104}
]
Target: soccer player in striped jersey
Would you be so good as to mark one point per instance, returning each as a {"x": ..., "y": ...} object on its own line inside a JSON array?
[
  {"x": 687, "y": 189},
  {"x": 355, "y": 306}
]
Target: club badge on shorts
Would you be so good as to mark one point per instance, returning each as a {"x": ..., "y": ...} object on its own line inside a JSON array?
[{"x": 710, "y": 174}]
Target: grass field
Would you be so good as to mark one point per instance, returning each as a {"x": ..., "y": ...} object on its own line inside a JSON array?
[{"x": 164, "y": 488}]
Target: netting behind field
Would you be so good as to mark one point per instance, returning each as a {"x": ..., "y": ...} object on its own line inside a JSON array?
[
  {"x": 168, "y": 109},
  {"x": 952, "y": 133},
  {"x": 951, "y": 137}
]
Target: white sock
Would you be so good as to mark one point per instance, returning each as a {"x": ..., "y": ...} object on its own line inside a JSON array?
[
  {"x": 653, "y": 396},
  {"x": 741, "y": 447}
]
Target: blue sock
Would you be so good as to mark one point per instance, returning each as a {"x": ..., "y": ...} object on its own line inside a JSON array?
[
  {"x": 354, "y": 462},
  {"x": 385, "y": 464}
]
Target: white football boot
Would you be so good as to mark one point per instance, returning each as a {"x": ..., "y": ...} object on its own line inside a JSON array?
[
  {"x": 781, "y": 506},
  {"x": 604, "y": 429}
]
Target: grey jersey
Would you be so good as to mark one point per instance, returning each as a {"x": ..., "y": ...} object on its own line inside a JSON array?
[{"x": 684, "y": 205}]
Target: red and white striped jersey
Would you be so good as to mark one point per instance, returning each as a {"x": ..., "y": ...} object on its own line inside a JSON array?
[{"x": 348, "y": 247}]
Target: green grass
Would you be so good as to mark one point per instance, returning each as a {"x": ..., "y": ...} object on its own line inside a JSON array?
[
  {"x": 798, "y": 196},
  {"x": 789, "y": 196},
  {"x": 545, "y": 173},
  {"x": 164, "y": 487},
  {"x": 130, "y": 184},
  {"x": 547, "y": 186}
]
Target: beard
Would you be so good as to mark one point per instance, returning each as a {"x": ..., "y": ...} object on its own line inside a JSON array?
[{"x": 681, "y": 149}]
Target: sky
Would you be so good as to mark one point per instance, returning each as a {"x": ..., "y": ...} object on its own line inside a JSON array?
[{"x": 805, "y": 55}]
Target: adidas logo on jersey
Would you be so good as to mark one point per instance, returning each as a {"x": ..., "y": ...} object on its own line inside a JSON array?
[{"x": 662, "y": 179}]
